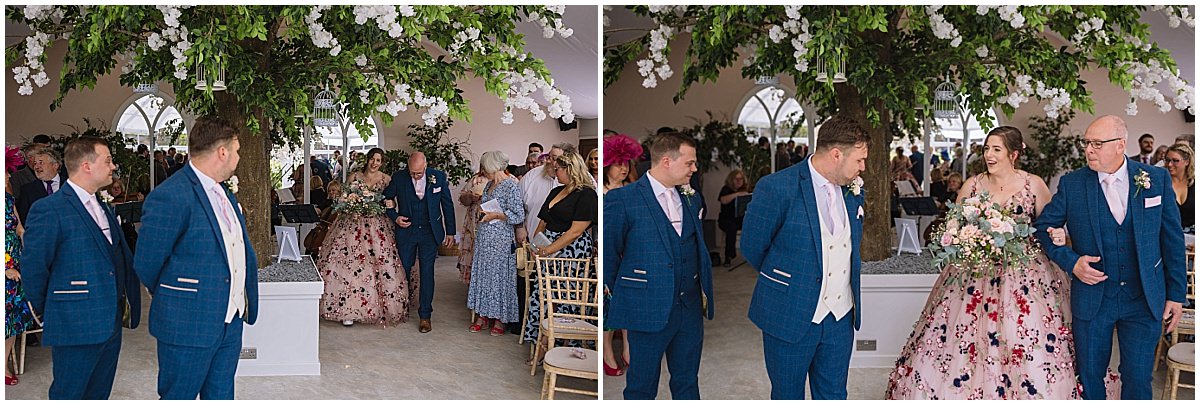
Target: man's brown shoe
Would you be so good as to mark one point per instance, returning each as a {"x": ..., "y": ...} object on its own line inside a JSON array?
[{"x": 425, "y": 326}]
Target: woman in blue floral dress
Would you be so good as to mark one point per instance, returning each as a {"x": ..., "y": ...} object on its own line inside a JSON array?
[
  {"x": 18, "y": 316},
  {"x": 493, "y": 293}
]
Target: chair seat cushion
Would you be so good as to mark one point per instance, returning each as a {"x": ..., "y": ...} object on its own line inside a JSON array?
[
  {"x": 562, "y": 357},
  {"x": 572, "y": 323},
  {"x": 1184, "y": 353}
]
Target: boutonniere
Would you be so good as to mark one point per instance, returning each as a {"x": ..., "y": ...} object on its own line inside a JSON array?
[
  {"x": 432, "y": 179},
  {"x": 855, "y": 186},
  {"x": 1142, "y": 180},
  {"x": 687, "y": 191},
  {"x": 105, "y": 197},
  {"x": 231, "y": 184}
]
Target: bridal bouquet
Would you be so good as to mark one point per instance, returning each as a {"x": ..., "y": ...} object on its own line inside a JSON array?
[
  {"x": 359, "y": 199},
  {"x": 984, "y": 236}
]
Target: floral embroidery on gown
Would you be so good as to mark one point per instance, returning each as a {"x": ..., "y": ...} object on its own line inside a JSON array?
[
  {"x": 1008, "y": 337},
  {"x": 364, "y": 279}
]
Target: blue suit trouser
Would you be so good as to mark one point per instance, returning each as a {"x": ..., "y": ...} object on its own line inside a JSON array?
[
  {"x": 681, "y": 341},
  {"x": 420, "y": 242},
  {"x": 185, "y": 371},
  {"x": 1137, "y": 332},
  {"x": 85, "y": 371},
  {"x": 822, "y": 357}
]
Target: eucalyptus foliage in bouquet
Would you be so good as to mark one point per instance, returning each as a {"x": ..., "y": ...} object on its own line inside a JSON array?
[
  {"x": 359, "y": 199},
  {"x": 984, "y": 236}
]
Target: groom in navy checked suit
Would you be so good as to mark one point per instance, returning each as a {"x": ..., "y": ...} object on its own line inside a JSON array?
[
  {"x": 197, "y": 262},
  {"x": 802, "y": 232},
  {"x": 658, "y": 271},
  {"x": 78, "y": 274},
  {"x": 1126, "y": 261}
]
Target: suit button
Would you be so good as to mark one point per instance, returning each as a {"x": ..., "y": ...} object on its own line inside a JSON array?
[
  {"x": 226, "y": 280},
  {"x": 839, "y": 296},
  {"x": 1122, "y": 283},
  {"x": 829, "y": 274},
  {"x": 843, "y": 245}
]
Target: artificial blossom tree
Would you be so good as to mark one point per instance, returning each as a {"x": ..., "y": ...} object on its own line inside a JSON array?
[
  {"x": 896, "y": 55},
  {"x": 378, "y": 59}
]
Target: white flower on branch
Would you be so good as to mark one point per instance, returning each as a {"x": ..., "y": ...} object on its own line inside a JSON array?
[{"x": 552, "y": 25}]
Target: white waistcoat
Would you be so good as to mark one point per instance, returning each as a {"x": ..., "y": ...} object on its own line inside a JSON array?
[{"x": 836, "y": 295}]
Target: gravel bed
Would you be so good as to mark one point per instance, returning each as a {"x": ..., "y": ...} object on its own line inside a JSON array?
[{"x": 289, "y": 272}]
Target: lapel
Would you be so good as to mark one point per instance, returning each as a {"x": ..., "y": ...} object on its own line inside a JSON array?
[
  {"x": 690, "y": 217},
  {"x": 656, "y": 213},
  {"x": 202, "y": 196},
  {"x": 97, "y": 234},
  {"x": 1134, "y": 207},
  {"x": 851, "y": 202},
  {"x": 809, "y": 204},
  {"x": 1094, "y": 196}
]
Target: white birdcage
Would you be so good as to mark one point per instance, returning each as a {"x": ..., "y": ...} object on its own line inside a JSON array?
[
  {"x": 325, "y": 113},
  {"x": 145, "y": 88},
  {"x": 945, "y": 101},
  {"x": 216, "y": 74},
  {"x": 834, "y": 60}
]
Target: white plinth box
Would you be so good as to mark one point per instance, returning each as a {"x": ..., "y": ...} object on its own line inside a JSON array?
[
  {"x": 891, "y": 304},
  {"x": 286, "y": 335}
]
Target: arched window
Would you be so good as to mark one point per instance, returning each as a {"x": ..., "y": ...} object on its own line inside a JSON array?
[
  {"x": 769, "y": 104},
  {"x": 326, "y": 141},
  {"x": 146, "y": 110}
]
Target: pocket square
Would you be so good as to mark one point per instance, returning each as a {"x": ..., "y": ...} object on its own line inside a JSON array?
[
  {"x": 860, "y": 212},
  {"x": 1153, "y": 201},
  {"x": 437, "y": 189}
]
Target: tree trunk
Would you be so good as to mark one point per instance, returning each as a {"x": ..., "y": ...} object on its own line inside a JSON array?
[
  {"x": 877, "y": 215},
  {"x": 254, "y": 173}
]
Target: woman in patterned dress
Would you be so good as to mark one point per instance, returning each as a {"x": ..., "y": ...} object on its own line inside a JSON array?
[
  {"x": 493, "y": 292},
  {"x": 18, "y": 316},
  {"x": 1007, "y": 337},
  {"x": 470, "y": 197},
  {"x": 364, "y": 280},
  {"x": 566, "y": 215}
]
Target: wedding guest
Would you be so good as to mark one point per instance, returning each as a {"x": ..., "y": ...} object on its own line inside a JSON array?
[
  {"x": 917, "y": 164},
  {"x": 950, "y": 192},
  {"x": 46, "y": 164},
  {"x": 730, "y": 222},
  {"x": 179, "y": 161},
  {"x": 18, "y": 317},
  {"x": 535, "y": 147},
  {"x": 160, "y": 167},
  {"x": 491, "y": 292},
  {"x": 470, "y": 197},
  {"x": 336, "y": 164},
  {"x": 1189, "y": 139},
  {"x": 74, "y": 249},
  {"x": 321, "y": 169},
  {"x": 170, "y": 156},
  {"x": 25, "y": 175},
  {"x": 1160, "y": 154},
  {"x": 536, "y": 185},
  {"x": 565, "y": 216},
  {"x": 899, "y": 164},
  {"x": 620, "y": 152},
  {"x": 1183, "y": 181},
  {"x": 120, "y": 195},
  {"x": 318, "y": 196},
  {"x": 782, "y": 158},
  {"x": 593, "y": 163},
  {"x": 359, "y": 261},
  {"x": 199, "y": 234},
  {"x": 1146, "y": 150}
]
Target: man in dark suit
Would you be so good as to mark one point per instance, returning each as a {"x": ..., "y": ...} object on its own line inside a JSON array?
[
  {"x": 802, "y": 232},
  {"x": 1126, "y": 260},
  {"x": 199, "y": 266},
  {"x": 424, "y": 217},
  {"x": 657, "y": 269},
  {"x": 24, "y": 174},
  {"x": 77, "y": 271},
  {"x": 46, "y": 164},
  {"x": 1146, "y": 148},
  {"x": 321, "y": 169},
  {"x": 918, "y": 164}
]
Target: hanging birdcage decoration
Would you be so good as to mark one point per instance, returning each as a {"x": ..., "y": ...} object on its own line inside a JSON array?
[
  {"x": 325, "y": 113},
  {"x": 831, "y": 60},
  {"x": 216, "y": 74},
  {"x": 945, "y": 100},
  {"x": 145, "y": 88}
]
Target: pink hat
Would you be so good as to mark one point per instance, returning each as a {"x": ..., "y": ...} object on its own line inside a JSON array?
[{"x": 620, "y": 148}]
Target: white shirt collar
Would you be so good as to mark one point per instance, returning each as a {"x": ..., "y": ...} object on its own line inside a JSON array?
[
  {"x": 83, "y": 195},
  {"x": 1121, "y": 175},
  {"x": 819, "y": 181},
  {"x": 205, "y": 181},
  {"x": 657, "y": 186}
]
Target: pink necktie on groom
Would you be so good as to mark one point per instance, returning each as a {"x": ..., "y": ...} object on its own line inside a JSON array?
[{"x": 833, "y": 214}]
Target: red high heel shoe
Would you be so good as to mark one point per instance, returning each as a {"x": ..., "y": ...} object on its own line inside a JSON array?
[
  {"x": 11, "y": 380},
  {"x": 476, "y": 327},
  {"x": 613, "y": 371}
]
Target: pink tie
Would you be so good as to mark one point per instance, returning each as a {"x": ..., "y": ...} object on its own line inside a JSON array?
[
  {"x": 98, "y": 216},
  {"x": 833, "y": 214},
  {"x": 1115, "y": 205},
  {"x": 223, "y": 207}
]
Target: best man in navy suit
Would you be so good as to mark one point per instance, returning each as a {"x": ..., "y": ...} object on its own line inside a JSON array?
[
  {"x": 802, "y": 233},
  {"x": 198, "y": 264},
  {"x": 424, "y": 216},
  {"x": 78, "y": 275},
  {"x": 658, "y": 272},
  {"x": 1126, "y": 261}
]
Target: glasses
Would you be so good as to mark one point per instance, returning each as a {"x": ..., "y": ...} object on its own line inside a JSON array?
[
  {"x": 1086, "y": 143},
  {"x": 1173, "y": 161}
]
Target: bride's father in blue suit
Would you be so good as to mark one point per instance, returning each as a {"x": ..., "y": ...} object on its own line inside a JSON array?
[
  {"x": 1126, "y": 261},
  {"x": 198, "y": 264},
  {"x": 78, "y": 274},
  {"x": 802, "y": 233},
  {"x": 658, "y": 271},
  {"x": 424, "y": 219}
]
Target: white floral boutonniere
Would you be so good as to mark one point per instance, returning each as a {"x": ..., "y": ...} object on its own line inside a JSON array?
[
  {"x": 1142, "y": 180},
  {"x": 231, "y": 184},
  {"x": 687, "y": 191},
  {"x": 855, "y": 186},
  {"x": 105, "y": 197}
]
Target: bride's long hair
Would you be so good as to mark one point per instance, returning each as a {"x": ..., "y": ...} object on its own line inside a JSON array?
[
  {"x": 1012, "y": 140},
  {"x": 367, "y": 162}
]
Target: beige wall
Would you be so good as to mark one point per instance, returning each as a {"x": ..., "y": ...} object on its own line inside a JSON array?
[
  {"x": 634, "y": 110},
  {"x": 30, "y": 115}
]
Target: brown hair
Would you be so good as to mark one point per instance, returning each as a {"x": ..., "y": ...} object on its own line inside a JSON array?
[
  {"x": 367, "y": 161},
  {"x": 733, "y": 175},
  {"x": 208, "y": 133},
  {"x": 1010, "y": 137},
  {"x": 81, "y": 149},
  {"x": 841, "y": 132},
  {"x": 1186, "y": 151},
  {"x": 668, "y": 144}
]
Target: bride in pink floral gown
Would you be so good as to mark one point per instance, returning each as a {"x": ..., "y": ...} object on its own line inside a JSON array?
[
  {"x": 1007, "y": 337},
  {"x": 364, "y": 280}
]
